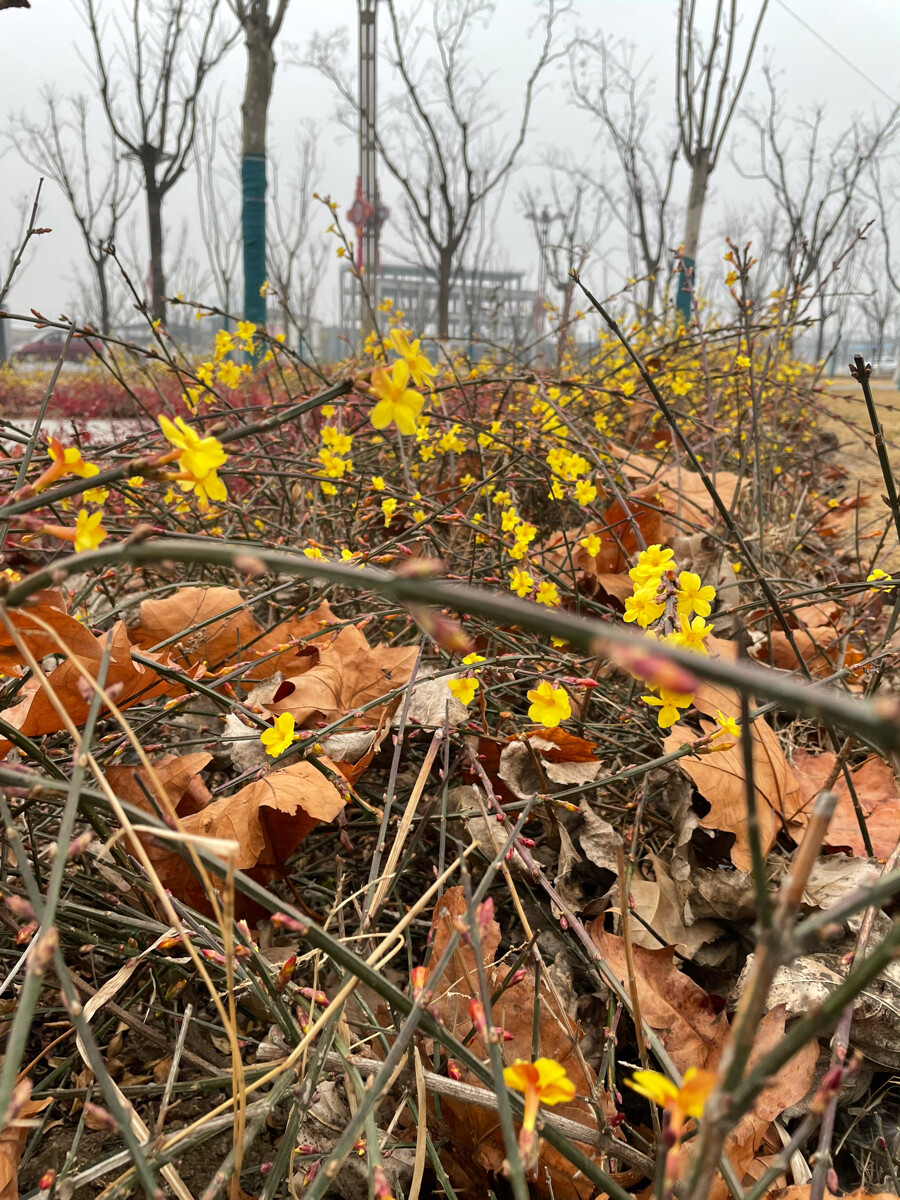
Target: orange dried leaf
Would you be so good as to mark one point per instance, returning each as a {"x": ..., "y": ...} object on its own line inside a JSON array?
[
  {"x": 878, "y": 794},
  {"x": 230, "y": 633},
  {"x": 566, "y": 746},
  {"x": 12, "y": 1143},
  {"x": 677, "y": 1009},
  {"x": 349, "y": 673},
  {"x": 178, "y": 775},
  {"x": 267, "y": 820},
  {"x": 131, "y": 682},
  {"x": 476, "y": 1141}
]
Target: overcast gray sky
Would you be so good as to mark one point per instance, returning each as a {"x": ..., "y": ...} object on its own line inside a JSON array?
[{"x": 40, "y": 47}]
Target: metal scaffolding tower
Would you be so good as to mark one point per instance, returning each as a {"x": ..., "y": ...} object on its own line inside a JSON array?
[{"x": 368, "y": 252}]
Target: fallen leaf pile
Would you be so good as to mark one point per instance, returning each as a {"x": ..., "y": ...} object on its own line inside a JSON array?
[
  {"x": 477, "y": 1143},
  {"x": 694, "y": 1031}
]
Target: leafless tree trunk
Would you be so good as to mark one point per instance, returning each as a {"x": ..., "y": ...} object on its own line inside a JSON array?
[
  {"x": 260, "y": 31},
  {"x": 62, "y": 148},
  {"x": 438, "y": 148},
  {"x": 703, "y": 79},
  {"x": 607, "y": 86},
  {"x": 166, "y": 53}
]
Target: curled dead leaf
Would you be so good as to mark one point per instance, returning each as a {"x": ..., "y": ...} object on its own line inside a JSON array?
[
  {"x": 178, "y": 775},
  {"x": 267, "y": 820},
  {"x": 878, "y": 794}
]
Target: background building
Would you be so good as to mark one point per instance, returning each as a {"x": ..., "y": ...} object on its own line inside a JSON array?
[{"x": 487, "y": 308}]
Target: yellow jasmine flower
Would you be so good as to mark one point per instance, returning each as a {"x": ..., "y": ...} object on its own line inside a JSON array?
[
  {"x": 727, "y": 724},
  {"x": 549, "y": 705},
  {"x": 691, "y": 634},
  {"x": 70, "y": 457},
  {"x": 473, "y": 658},
  {"x": 642, "y": 606},
  {"x": 224, "y": 344},
  {"x": 397, "y": 404},
  {"x": 547, "y": 594},
  {"x": 668, "y": 703},
  {"x": 692, "y": 596},
  {"x": 199, "y": 461},
  {"x": 421, "y": 370},
  {"x": 585, "y": 492},
  {"x": 592, "y": 544},
  {"x": 229, "y": 373},
  {"x": 687, "y": 1100},
  {"x": 543, "y": 1081},
  {"x": 388, "y": 507},
  {"x": 520, "y": 582},
  {"x": 378, "y": 483},
  {"x": 89, "y": 533},
  {"x": 277, "y": 739},
  {"x": 463, "y": 689},
  {"x": 652, "y": 563},
  {"x": 875, "y": 576}
]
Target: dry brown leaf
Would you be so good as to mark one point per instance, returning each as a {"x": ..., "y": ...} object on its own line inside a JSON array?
[
  {"x": 268, "y": 820},
  {"x": 720, "y": 780},
  {"x": 226, "y": 636},
  {"x": 879, "y": 797},
  {"x": 676, "y": 1008},
  {"x": 541, "y": 764},
  {"x": 659, "y": 903},
  {"x": 684, "y": 496},
  {"x": 475, "y": 1131},
  {"x": 130, "y": 682},
  {"x": 817, "y": 645},
  {"x": 12, "y": 1143},
  {"x": 843, "y": 518},
  {"x": 76, "y": 637},
  {"x": 566, "y": 747},
  {"x": 179, "y": 776},
  {"x": 349, "y": 673},
  {"x": 720, "y": 777}
]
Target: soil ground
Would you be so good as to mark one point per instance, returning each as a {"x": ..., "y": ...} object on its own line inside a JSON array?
[{"x": 856, "y": 454}]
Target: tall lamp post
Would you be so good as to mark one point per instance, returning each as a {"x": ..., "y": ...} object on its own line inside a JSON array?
[{"x": 367, "y": 229}]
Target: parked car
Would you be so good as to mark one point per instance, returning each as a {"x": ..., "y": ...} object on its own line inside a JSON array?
[
  {"x": 886, "y": 367},
  {"x": 47, "y": 347}
]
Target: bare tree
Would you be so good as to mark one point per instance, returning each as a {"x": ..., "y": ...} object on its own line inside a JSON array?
[
  {"x": 218, "y": 207},
  {"x": 296, "y": 259},
  {"x": 16, "y": 252},
  {"x": 566, "y": 229},
  {"x": 818, "y": 188},
  {"x": 878, "y": 303},
  {"x": 606, "y": 85},
  {"x": 707, "y": 92},
  {"x": 260, "y": 31},
  {"x": 886, "y": 198},
  {"x": 437, "y": 146},
  {"x": 63, "y": 148},
  {"x": 163, "y": 56}
]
